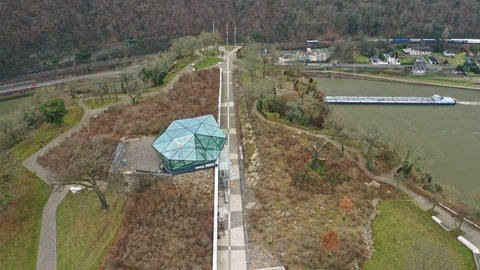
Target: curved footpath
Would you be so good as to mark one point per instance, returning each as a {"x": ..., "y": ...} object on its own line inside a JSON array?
[
  {"x": 448, "y": 218},
  {"x": 47, "y": 250}
]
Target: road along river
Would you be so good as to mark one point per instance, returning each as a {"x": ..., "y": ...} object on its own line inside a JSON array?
[{"x": 452, "y": 133}]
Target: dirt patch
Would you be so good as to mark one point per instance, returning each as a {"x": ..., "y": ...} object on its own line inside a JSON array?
[{"x": 140, "y": 155}]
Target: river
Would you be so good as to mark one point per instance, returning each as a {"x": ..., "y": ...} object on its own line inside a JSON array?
[{"x": 451, "y": 133}]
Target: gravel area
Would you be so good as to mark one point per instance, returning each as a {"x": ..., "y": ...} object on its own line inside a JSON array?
[{"x": 140, "y": 155}]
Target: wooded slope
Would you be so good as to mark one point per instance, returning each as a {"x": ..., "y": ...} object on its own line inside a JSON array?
[{"x": 39, "y": 32}]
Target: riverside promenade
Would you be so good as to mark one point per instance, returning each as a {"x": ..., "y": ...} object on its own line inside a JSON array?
[{"x": 231, "y": 245}]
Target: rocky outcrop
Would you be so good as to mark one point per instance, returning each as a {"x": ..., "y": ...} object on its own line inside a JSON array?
[{"x": 367, "y": 237}]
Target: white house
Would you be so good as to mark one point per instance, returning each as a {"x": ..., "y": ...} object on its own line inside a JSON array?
[
  {"x": 448, "y": 54},
  {"x": 391, "y": 60},
  {"x": 417, "y": 51}
]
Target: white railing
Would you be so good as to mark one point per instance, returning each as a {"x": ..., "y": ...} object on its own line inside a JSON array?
[{"x": 215, "y": 189}]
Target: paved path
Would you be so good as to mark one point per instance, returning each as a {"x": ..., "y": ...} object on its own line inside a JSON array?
[
  {"x": 47, "y": 250},
  {"x": 231, "y": 245}
]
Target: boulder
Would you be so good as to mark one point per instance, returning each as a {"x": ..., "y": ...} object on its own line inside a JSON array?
[
  {"x": 250, "y": 205},
  {"x": 373, "y": 184},
  {"x": 254, "y": 156}
]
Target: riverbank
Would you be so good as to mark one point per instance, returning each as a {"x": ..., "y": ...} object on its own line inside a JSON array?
[
  {"x": 350, "y": 75},
  {"x": 388, "y": 180}
]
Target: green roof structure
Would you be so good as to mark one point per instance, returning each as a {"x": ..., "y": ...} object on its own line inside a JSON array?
[{"x": 190, "y": 144}]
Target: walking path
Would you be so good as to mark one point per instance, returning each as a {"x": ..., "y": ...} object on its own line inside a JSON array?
[
  {"x": 231, "y": 245},
  {"x": 47, "y": 250},
  {"x": 446, "y": 216}
]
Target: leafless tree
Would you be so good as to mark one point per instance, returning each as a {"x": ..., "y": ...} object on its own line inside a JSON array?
[
  {"x": 130, "y": 87},
  {"x": 339, "y": 130},
  {"x": 87, "y": 164},
  {"x": 414, "y": 155},
  {"x": 251, "y": 59},
  {"x": 371, "y": 138}
]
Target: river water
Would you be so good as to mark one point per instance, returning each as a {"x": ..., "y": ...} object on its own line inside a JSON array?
[{"x": 451, "y": 133}]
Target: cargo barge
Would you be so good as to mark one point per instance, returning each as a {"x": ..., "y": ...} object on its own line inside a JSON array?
[{"x": 433, "y": 100}]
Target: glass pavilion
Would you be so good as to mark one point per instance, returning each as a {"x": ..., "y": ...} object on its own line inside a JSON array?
[{"x": 190, "y": 144}]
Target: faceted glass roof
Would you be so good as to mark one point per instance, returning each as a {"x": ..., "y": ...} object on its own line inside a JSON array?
[{"x": 190, "y": 142}]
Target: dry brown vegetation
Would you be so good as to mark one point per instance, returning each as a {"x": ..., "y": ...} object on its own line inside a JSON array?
[
  {"x": 169, "y": 226},
  {"x": 150, "y": 116},
  {"x": 297, "y": 201},
  {"x": 155, "y": 113}
]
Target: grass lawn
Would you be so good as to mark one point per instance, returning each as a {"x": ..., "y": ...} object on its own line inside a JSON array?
[
  {"x": 20, "y": 226},
  {"x": 458, "y": 59},
  {"x": 208, "y": 62},
  {"x": 95, "y": 103},
  {"x": 84, "y": 231},
  {"x": 407, "y": 60},
  {"x": 173, "y": 72},
  {"x": 432, "y": 77},
  {"x": 361, "y": 59},
  {"x": 46, "y": 133},
  {"x": 400, "y": 226}
]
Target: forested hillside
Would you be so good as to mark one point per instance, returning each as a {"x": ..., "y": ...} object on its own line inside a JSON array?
[{"x": 44, "y": 32}]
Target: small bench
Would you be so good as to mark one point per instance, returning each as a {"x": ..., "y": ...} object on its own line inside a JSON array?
[
  {"x": 441, "y": 223},
  {"x": 473, "y": 248}
]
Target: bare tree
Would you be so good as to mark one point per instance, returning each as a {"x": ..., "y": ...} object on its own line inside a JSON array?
[
  {"x": 208, "y": 41},
  {"x": 130, "y": 87},
  {"x": 87, "y": 164},
  {"x": 30, "y": 115},
  {"x": 371, "y": 138},
  {"x": 316, "y": 155},
  {"x": 102, "y": 90},
  {"x": 260, "y": 89},
  {"x": 414, "y": 155},
  {"x": 251, "y": 60},
  {"x": 437, "y": 190},
  {"x": 458, "y": 202},
  {"x": 339, "y": 130},
  {"x": 185, "y": 47}
]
